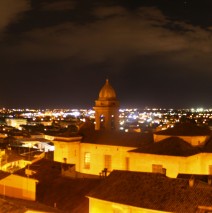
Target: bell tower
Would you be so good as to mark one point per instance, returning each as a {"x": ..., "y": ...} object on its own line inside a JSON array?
[{"x": 107, "y": 109}]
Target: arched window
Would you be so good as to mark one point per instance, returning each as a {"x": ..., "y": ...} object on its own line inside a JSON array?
[
  {"x": 102, "y": 122},
  {"x": 112, "y": 124}
]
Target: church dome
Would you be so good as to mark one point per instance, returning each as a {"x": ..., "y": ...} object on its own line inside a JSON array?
[{"x": 107, "y": 92}]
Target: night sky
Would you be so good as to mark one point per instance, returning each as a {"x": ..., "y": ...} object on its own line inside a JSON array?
[{"x": 58, "y": 53}]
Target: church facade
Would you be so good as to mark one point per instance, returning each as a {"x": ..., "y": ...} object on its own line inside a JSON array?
[{"x": 106, "y": 148}]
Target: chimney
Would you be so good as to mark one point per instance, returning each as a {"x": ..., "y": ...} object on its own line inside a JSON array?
[
  {"x": 191, "y": 181},
  {"x": 210, "y": 180}
]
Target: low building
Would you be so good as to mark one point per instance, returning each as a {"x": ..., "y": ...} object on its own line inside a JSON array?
[
  {"x": 192, "y": 134},
  {"x": 172, "y": 156},
  {"x": 133, "y": 152},
  {"x": 16, "y": 122},
  {"x": 16, "y": 186},
  {"x": 41, "y": 144}
]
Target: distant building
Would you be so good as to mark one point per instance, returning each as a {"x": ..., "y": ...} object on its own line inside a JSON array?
[
  {"x": 46, "y": 123},
  {"x": 16, "y": 122},
  {"x": 194, "y": 135},
  {"x": 39, "y": 143}
]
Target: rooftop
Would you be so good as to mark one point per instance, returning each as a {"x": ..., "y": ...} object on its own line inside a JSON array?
[
  {"x": 42, "y": 169},
  {"x": 208, "y": 146},
  {"x": 15, "y": 205},
  {"x": 3, "y": 174},
  {"x": 118, "y": 138},
  {"x": 172, "y": 146},
  {"x": 203, "y": 178},
  {"x": 67, "y": 193},
  {"x": 7, "y": 206},
  {"x": 153, "y": 191},
  {"x": 186, "y": 129}
]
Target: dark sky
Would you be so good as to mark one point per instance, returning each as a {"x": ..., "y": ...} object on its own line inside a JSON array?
[{"x": 58, "y": 53}]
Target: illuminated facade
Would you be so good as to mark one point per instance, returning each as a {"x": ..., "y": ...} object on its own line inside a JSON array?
[
  {"x": 92, "y": 159},
  {"x": 114, "y": 150},
  {"x": 14, "y": 122},
  {"x": 18, "y": 187}
]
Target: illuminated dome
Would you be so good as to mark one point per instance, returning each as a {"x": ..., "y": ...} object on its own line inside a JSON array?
[{"x": 107, "y": 92}]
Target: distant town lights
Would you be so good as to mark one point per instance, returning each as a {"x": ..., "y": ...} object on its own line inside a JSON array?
[{"x": 200, "y": 109}]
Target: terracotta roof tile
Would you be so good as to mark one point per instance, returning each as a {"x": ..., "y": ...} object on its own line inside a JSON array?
[
  {"x": 172, "y": 146},
  {"x": 118, "y": 138},
  {"x": 208, "y": 146},
  {"x": 185, "y": 130},
  {"x": 153, "y": 191},
  {"x": 4, "y": 174}
]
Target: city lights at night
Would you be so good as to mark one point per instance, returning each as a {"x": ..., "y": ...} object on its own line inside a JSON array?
[{"x": 105, "y": 106}]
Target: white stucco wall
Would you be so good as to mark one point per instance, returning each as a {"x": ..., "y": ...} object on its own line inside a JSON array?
[
  {"x": 195, "y": 164},
  {"x": 74, "y": 152},
  {"x": 68, "y": 150},
  {"x": 97, "y": 153},
  {"x": 18, "y": 187},
  {"x": 198, "y": 164},
  {"x": 143, "y": 162}
]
